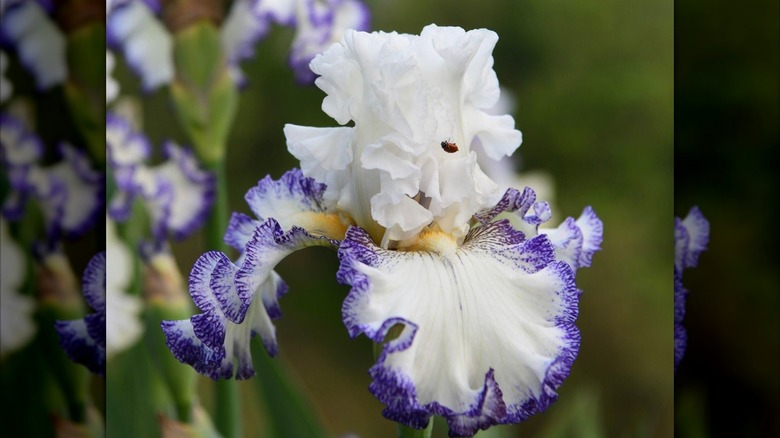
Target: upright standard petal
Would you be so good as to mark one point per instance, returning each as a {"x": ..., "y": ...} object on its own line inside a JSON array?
[
  {"x": 408, "y": 96},
  {"x": 485, "y": 331}
]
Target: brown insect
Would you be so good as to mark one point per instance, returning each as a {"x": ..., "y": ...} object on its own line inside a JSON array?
[{"x": 449, "y": 147}]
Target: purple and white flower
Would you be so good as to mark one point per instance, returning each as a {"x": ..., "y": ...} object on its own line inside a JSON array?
[
  {"x": 38, "y": 42},
  {"x": 148, "y": 46},
  {"x": 133, "y": 28},
  {"x": 84, "y": 340},
  {"x": 691, "y": 236},
  {"x": 177, "y": 193},
  {"x": 17, "y": 326},
  {"x": 476, "y": 315},
  {"x": 70, "y": 192}
]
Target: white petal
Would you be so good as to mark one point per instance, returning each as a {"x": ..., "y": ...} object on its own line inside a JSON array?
[
  {"x": 39, "y": 43},
  {"x": 499, "y": 307},
  {"x": 147, "y": 46},
  {"x": 123, "y": 311}
]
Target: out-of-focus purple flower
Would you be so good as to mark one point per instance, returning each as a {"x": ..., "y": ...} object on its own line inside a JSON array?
[
  {"x": 70, "y": 192},
  {"x": 691, "y": 236},
  {"x": 84, "y": 340},
  {"x": 147, "y": 45},
  {"x": 133, "y": 28},
  {"x": 40, "y": 45},
  {"x": 177, "y": 193}
]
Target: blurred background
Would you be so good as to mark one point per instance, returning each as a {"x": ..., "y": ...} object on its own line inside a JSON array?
[
  {"x": 726, "y": 150},
  {"x": 593, "y": 82}
]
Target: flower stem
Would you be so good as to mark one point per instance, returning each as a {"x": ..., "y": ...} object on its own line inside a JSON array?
[
  {"x": 216, "y": 224},
  {"x": 228, "y": 409},
  {"x": 409, "y": 432}
]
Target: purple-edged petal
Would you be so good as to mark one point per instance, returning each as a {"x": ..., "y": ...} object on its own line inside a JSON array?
[
  {"x": 239, "y": 230},
  {"x": 240, "y": 31},
  {"x": 319, "y": 25},
  {"x": 269, "y": 245},
  {"x": 147, "y": 46},
  {"x": 691, "y": 236},
  {"x": 80, "y": 346},
  {"x": 187, "y": 348},
  {"x": 216, "y": 362},
  {"x": 177, "y": 193},
  {"x": 486, "y": 329},
  {"x": 39, "y": 44},
  {"x": 85, "y": 191},
  {"x": 84, "y": 340},
  {"x": 576, "y": 241},
  {"x": 192, "y": 190},
  {"x": 285, "y": 198},
  {"x": 19, "y": 146}
]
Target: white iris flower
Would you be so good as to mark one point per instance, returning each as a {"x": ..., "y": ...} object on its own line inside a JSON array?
[{"x": 476, "y": 313}]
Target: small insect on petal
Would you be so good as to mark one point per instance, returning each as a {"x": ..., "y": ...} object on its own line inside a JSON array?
[{"x": 449, "y": 147}]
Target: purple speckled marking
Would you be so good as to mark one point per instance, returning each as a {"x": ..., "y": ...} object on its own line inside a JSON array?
[
  {"x": 84, "y": 340},
  {"x": 80, "y": 347},
  {"x": 187, "y": 348}
]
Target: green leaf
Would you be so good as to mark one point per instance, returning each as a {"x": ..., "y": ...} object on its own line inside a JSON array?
[{"x": 289, "y": 412}]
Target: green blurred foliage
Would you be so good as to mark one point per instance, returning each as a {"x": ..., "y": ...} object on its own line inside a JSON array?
[
  {"x": 726, "y": 151},
  {"x": 593, "y": 82}
]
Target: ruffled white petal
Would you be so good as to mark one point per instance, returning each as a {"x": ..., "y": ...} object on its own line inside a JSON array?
[
  {"x": 487, "y": 328},
  {"x": 406, "y": 95}
]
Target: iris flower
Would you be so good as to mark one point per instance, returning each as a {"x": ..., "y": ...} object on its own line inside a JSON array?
[
  {"x": 84, "y": 340},
  {"x": 148, "y": 47},
  {"x": 177, "y": 193},
  {"x": 70, "y": 192},
  {"x": 476, "y": 315},
  {"x": 38, "y": 42},
  {"x": 691, "y": 236}
]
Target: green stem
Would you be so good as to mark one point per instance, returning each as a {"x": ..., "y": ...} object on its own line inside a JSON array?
[
  {"x": 408, "y": 432},
  {"x": 217, "y": 222},
  {"x": 228, "y": 409},
  {"x": 228, "y": 413}
]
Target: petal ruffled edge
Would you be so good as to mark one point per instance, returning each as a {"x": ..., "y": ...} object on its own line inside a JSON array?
[{"x": 398, "y": 392}]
